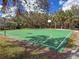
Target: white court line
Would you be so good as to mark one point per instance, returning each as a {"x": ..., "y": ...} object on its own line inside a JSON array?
[
  {"x": 59, "y": 44},
  {"x": 47, "y": 39},
  {"x": 64, "y": 40}
]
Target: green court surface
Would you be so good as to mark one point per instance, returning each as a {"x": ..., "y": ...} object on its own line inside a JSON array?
[{"x": 51, "y": 38}]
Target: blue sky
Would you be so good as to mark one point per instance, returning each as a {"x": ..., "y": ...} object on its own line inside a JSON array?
[{"x": 55, "y": 5}]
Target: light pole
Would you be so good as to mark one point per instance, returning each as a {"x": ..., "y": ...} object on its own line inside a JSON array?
[
  {"x": 3, "y": 16},
  {"x": 4, "y": 26},
  {"x": 49, "y": 22}
]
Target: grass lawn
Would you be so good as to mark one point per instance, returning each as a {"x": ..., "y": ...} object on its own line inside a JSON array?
[{"x": 52, "y": 38}]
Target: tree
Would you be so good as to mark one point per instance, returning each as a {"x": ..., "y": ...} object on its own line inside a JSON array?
[
  {"x": 62, "y": 17},
  {"x": 69, "y": 18},
  {"x": 75, "y": 18},
  {"x": 38, "y": 17},
  {"x": 59, "y": 18},
  {"x": 75, "y": 10},
  {"x": 44, "y": 5},
  {"x": 4, "y": 5}
]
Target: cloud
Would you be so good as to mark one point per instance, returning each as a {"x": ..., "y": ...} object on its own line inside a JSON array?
[
  {"x": 67, "y": 5},
  {"x": 0, "y": 7},
  {"x": 29, "y": 6},
  {"x": 61, "y": 2},
  {"x": 10, "y": 12}
]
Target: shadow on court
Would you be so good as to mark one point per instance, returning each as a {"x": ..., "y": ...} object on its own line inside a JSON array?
[{"x": 50, "y": 42}]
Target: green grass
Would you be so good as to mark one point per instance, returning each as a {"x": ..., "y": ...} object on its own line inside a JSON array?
[{"x": 51, "y": 38}]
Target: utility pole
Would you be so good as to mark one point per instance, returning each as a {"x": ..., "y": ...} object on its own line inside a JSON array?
[
  {"x": 4, "y": 26},
  {"x": 4, "y": 21}
]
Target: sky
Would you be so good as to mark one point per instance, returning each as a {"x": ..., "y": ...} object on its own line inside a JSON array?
[
  {"x": 69, "y": 3},
  {"x": 54, "y": 5}
]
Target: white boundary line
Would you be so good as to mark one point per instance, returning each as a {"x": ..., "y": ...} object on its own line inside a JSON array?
[
  {"x": 64, "y": 40},
  {"x": 47, "y": 39}
]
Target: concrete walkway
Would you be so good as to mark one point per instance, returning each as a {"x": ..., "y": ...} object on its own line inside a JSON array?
[{"x": 75, "y": 53}]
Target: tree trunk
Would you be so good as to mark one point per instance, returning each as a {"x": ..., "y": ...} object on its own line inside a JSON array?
[
  {"x": 4, "y": 5},
  {"x": 14, "y": 2},
  {"x": 55, "y": 25}
]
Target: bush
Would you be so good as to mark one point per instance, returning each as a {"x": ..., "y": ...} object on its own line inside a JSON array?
[
  {"x": 71, "y": 42},
  {"x": 11, "y": 51},
  {"x": 11, "y": 25}
]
